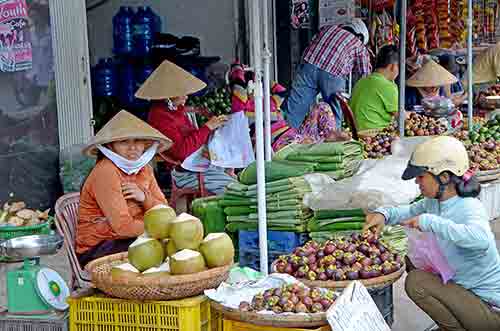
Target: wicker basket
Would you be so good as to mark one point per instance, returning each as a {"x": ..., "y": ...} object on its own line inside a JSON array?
[
  {"x": 369, "y": 133},
  {"x": 273, "y": 320},
  {"x": 488, "y": 176},
  {"x": 152, "y": 288},
  {"x": 372, "y": 283}
]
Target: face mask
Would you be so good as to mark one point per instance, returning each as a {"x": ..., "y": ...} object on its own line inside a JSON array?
[{"x": 128, "y": 166}]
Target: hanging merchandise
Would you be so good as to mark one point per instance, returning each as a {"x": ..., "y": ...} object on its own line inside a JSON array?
[
  {"x": 15, "y": 45},
  {"x": 443, "y": 15},
  {"x": 431, "y": 24},
  {"x": 122, "y": 31},
  {"x": 490, "y": 10},
  {"x": 383, "y": 30},
  {"x": 334, "y": 12},
  {"x": 457, "y": 25},
  {"x": 411, "y": 28},
  {"x": 420, "y": 28}
]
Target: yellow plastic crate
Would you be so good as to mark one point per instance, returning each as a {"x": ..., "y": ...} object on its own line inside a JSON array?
[
  {"x": 229, "y": 325},
  {"x": 216, "y": 320},
  {"x": 99, "y": 313}
]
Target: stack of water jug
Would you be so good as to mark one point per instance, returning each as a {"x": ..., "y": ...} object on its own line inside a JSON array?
[{"x": 133, "y": 38}]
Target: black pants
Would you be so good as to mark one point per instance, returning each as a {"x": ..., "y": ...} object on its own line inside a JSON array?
[{"x": 107, "y": 247}]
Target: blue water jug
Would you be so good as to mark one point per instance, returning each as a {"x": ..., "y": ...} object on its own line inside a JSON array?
[
  {"x": 123, "y": 31},
  {"x": 127, "y": 86},
  {"x": 156, "y": 19},
  {"x": 141, "y": 74},
  {"x": 143, "y": 27},
  {"x": 104, "y": 82}
]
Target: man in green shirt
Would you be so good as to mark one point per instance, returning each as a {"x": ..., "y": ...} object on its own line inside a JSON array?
[{"x": 374, "y": 99}]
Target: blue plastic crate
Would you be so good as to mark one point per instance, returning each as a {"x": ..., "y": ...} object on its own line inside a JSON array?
[
  {"x": 278, "y": 241},
  {"x": 251, "y": 258}
]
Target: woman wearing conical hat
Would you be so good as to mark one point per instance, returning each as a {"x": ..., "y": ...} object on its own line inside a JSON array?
[
  {"x": 168, "y": 87},
  {"x": 120, "y": 188},
  {"x": 429, "y": 81}
]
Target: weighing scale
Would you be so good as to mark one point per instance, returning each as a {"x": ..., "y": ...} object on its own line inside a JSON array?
[{"x": 34, "y": 289}]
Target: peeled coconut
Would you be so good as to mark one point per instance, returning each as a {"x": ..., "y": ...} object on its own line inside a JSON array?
[
  {"x": 186, "y": 262},
  {"x": 123, "y": 271},
  {"x": 217, "y": 249},
  {"x": 157, "y": 221},
  {"x": 186, "y": 231},
  {"x": 145, "y": 253},
  {"x": 162, "y": 270}
]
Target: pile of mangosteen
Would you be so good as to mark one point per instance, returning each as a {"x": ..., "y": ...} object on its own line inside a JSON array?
[
  {"x": 291, "y": 298},
  {"x": 360, "y": 256},
  {"x": 420, "y": 125}
]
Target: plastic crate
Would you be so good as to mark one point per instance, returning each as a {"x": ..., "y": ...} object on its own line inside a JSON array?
[
  {"x": 56, "y": 322},
  {"x": 229, "y": 325},
  {"x": 384, "y": 300},
  {"x": 98, "y": 313},
  {"x": 9, "y": 232},
  {"x": 278, "y": 241},
  {"x": 216, "y": 320}
]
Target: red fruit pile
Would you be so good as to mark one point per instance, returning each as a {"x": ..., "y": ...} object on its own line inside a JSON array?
[
  {"x": 357, "y": 257},
  {"x": 291, "y": 299}
]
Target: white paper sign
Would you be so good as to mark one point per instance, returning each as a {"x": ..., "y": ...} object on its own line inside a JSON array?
[{"x": 355, "y": 310}]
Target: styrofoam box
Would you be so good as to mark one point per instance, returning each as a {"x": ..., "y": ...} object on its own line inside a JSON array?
[
  {"x": 335, "y": 15},
  {"x": 490, "y": 197}
]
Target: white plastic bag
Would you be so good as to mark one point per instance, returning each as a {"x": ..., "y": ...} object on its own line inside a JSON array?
[
  {"x": 377, "y": 184},
  {"x": 197, "y": 162},
  {"x": 231, "y": 146}
]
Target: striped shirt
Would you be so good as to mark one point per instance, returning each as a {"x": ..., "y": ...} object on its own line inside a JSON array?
[{"x": 338, "y": 52}]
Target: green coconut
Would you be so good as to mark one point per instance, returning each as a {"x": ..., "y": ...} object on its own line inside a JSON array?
[
  {"x": 169, "y": 247},
  {"x": 145, "y": 253},
  {"x": 123, "y": 271},
  {"x": 186, "y": 261},
  {"x": 161, "y": 271},
  {"x": 217, "y": 249},
  {"x": 186, "y": 231},
  {"x": 157, "y": 221}
]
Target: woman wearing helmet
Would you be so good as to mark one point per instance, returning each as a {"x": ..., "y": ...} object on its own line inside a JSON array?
[{"x": 451, "y": 211}]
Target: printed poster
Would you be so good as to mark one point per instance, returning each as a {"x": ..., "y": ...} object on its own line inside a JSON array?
[{"x": 15, "y": 45}]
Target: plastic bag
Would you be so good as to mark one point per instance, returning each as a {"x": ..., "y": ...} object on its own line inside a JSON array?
[
  {"x": 425, "y": 254},
  {"x": 377, "y": 184},
  {"x": 230, "y": 145},
  {"x": 197, "y": 161}
]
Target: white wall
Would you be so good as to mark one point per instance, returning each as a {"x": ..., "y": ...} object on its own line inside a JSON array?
[{"x": 212, "y": 21}]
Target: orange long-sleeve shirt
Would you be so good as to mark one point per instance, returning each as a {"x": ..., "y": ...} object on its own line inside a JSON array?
[{"x": 104, "y": 213}]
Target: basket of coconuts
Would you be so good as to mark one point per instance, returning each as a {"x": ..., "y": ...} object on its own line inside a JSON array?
[
  {"x": 288, "y": 306},
  {"x": 170, "y": 261},
  {"x": 335, "y": 263}
]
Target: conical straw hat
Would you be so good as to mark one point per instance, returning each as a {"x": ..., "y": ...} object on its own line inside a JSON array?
[
  {"x": 431, "y": 75},
  {"x": 126, "y": 126},
  {"x": 168, "y": 81}
]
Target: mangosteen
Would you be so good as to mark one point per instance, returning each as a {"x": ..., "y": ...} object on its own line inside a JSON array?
[
  {"x": 374, "y": 250},
  {"x": 315, "y": 293},
  {"x": 300, "y": 308},
  {"x": 397, "y": 258},
  {"x": 278, "y": 292},
  {"x": 288, "y": 269},
  {"x": 301, "y": 252},
  {"x": 366, "y": 261},
  {"x": 365, "y": 273},
  {"x": 289, "y": 307},
  {"x": 349, "y": 259},
  {"x": 341, "y": 245},
  {"x": 311, "y": 275},
  {"x": 338, "y": 275},
  {"x": 330, "y": 271},
  {"x": 376, "y": 260},
  {"x": 351, "y": 248},
  {"x": 312, "y": 259},
  {"x": 385, "y": 256},
  {"x": 326, "y": 303},
  {"x": 381, "y": 248},
  {"x": 355, "y": 237},
  {"x": 357, "y": 266},
  {"x": 313, "y": 267},
  {"x": 310, "y": 251},
  {"x": 338, "y": 254},
  {"x": 364, "y": 248},
  {"x": 317, "y": 308},
  {"x": 308, "y": 301},
  {"x": 244, "y": 306},
  {"x": 386, "y": 269},
  {"x": 277, "y": 310},
  {"x": 268, "y": 294},
  {"x": 376, "y": 272},
  {"x": 329, "y": 249},
  {"x": 281, "y": 266},
  {"x": 320, "y": 254},
  {"x": 283, "y": 302},
  {"x": 353, "y": 275}
]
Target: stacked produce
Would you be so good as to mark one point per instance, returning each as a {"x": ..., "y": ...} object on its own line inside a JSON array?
[
  {"x": 326, "y": 222},
  {"x": 431, "y": 24},
  {"x": 360, "y": 256},
  {"x": 174, "y": 245},
  {"x": 217, "y": 102},
  {"x": 16, "y": 214},
  {"x": 291, "y": 299},
  {"x": 285, "y": 210},
  {"x": 443, "y": 16},
  {"x": 420, "y": 125},
  {"x": 337, "y": 159},
  {"x": 378, "y": 146}
]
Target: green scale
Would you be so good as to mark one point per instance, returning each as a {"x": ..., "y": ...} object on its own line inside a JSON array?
[{"x": 33, "y": 289}]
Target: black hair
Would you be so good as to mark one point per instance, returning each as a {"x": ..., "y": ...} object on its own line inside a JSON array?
[
  {"x": 466, "y": 189},
  {"x": 389, "y": 54}
]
